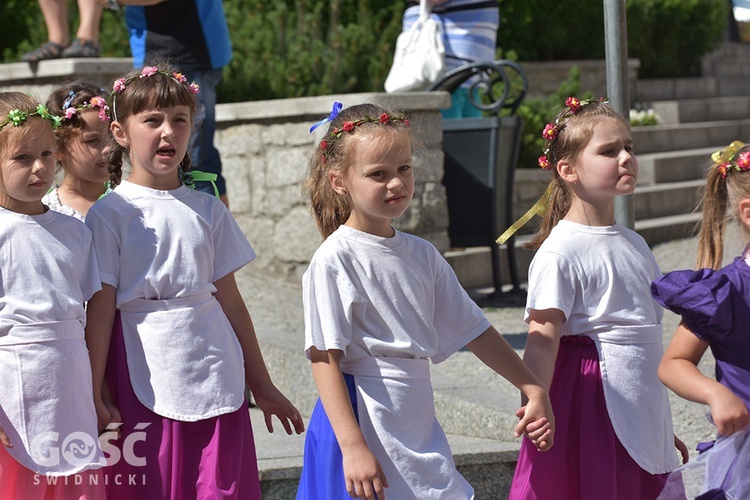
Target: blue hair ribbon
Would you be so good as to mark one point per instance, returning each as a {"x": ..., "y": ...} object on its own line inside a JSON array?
[
  {"x": 334, "y": 113},
  {"x": 68, "y": 100}
]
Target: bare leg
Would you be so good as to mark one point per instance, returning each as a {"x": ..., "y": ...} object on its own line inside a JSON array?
[
  {"x": 55, "y": 14},
  {"x": 91, "y": 16}
]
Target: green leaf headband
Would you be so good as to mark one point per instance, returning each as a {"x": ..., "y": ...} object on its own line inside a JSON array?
[{"x": 16, "y": 117}]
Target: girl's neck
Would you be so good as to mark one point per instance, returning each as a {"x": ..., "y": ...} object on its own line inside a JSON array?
[
  {"x": 384, "y": 229},
  {"x": 78, "y": 194},
  {"x": 20, "y": 207},
  {"x": 591, "y": 214}
]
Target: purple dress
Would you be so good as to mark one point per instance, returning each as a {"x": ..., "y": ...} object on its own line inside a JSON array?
[{"x": 715, "y": 306}]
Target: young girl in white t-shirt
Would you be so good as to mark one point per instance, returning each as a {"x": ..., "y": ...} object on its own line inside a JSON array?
[
  {"x": 379, "y": 305},
  {"x": 595, "y": 334},
  {"x": 82, "y": 147},
  {"x": 183, "y": 345},
  {"x": 47, "y": 271}
]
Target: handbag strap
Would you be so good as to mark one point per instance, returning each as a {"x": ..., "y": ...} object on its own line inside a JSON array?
[{"x": 424, "y": 10}]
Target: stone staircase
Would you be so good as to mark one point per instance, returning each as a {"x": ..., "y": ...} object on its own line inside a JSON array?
[{"x": 699, "y": 116}]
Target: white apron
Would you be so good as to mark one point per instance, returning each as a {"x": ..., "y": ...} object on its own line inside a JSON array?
[
  {"x": 397, "y": 417},
  {"x": 637, "y": 401},
  {"x": 184, "y": 358},
  {"x": 46, "y": 398}
]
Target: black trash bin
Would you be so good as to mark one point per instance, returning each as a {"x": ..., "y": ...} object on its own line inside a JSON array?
[{"x": 480, "y": 162}]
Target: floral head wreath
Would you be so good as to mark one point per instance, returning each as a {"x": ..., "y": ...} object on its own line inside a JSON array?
[
  {"x": 16, "y": 117},
  {"x": 95, "y": 102},
  {"x": 121, "y": 83},
  {"x": 552, "y": 130},
  {"x": 727, "y": 159},
  {"x": 349, "y": 127}
]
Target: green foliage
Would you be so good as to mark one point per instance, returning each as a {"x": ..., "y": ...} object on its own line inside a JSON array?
[
  {"x": 536, "y": 113},
  {"x": 293, "y": 48},
  {"x": 671, "y": 36},
  {"x": 297, "y": 48}
]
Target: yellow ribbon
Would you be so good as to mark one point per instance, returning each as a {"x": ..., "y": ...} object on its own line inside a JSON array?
[
  {"x": 539, "y": 208},
  {"x": 727, "y": 155}
]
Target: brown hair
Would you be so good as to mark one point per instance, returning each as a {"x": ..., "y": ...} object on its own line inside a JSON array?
[
  {"x": 575, "y": 132},
  {"x": 83, "y": 90},
  {"x": 159, "y": 90},
  {"x": 329, "y": 208},
  {"x": 720, "y": 200},
  {"x": 17, "y": 100}
]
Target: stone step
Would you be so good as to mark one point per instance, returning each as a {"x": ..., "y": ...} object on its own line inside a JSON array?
[
  {"x": 677, "y": 137},
  {"x": 700, "y": 110},
  {"x": 661, "y": 229},
  {"x": 487, "y": 464},
  {"x": 673, "y": 166},
  {"x": 666, "y": 199},
  {"x": 670, "y": 89}
]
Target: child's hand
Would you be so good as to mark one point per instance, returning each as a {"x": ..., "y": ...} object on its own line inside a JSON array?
[
  {"x": 682, "y": 449},
  {"x": 728, "y": 412},
  {"x": 538, "y": 422},
  {"x": 5, "y": 439},
  {"x": 272, "y": 402},
  {"x": 106, "y": 413},
  {"x": 364, "y": 476}
]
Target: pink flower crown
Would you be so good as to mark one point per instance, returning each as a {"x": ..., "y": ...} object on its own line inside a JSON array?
[
  {"x": 725, "y": 160},
  {"x": 552, "y": 130},
  {"x": 95, "y": 102},
  {"x": 147, "y": 71}
]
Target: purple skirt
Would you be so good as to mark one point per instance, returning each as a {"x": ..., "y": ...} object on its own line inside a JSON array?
[
  {"x": 587, "y": 460},
  {"x": 160, "y": 458}
]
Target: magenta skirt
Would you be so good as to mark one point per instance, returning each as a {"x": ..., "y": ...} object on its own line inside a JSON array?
[
  {"x": 160, "y": 458},
  {"x": 587, "y": 460}
]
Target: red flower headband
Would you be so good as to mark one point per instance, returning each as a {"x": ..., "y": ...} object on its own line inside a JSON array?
[
  {"x": 552, "y": 130},
  {"x": 727, "y": 159}
]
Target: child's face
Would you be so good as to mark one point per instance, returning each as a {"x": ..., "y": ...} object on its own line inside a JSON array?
[
  {"x": 607, "y": 166},
  {"x": 27, "y": 166},
  {"x": 85, "y": 157},
  {"x": 157, "y": 140},
  {"x": 379, "y": 182}
]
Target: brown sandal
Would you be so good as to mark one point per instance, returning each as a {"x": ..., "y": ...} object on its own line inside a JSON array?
[{"x": 48, "y": 50}]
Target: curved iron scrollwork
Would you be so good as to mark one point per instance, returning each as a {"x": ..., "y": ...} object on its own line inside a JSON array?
[{"x": 502, "y": 88}]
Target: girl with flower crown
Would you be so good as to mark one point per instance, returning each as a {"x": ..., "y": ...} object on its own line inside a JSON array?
[
  {"x": 182, "y": 341},
  {"x": 714, "y": 303},
  {"x": 82, "y": 147},
  {"x": 47, "y": 417},
  {"x": 595, "y": 334},
  {"x": 379, "y": 305}
]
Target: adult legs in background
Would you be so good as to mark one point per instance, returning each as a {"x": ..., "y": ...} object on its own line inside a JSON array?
[
  {"x": 203, "y": 154},
  {"x": 55, "y": 14}
]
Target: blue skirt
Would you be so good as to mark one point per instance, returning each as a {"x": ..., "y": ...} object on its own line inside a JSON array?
[{"x": 322, "y": 463}]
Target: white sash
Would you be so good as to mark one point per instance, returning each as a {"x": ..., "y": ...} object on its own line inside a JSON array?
[
  {"x": 637, "y": 401},
  {"x": 397, "y": 418},
  {"x": 184, "y": 358},
  {"x": 46, "y": 398}
]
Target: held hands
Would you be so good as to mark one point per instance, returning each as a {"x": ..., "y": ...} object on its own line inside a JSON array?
[
  {"x": 364, "y": 476},
  {"x": 538, "y": 422},
  {"x": 106, "y": 413},
  {"x": 272, "y": 402}
]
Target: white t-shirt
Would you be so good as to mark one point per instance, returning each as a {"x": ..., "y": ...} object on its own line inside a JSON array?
[
  {"x": 52, "y": 200},
  {"x": 600, "y": 278},
  {"x": 163, "y": 250},
  {"x": 389, "y": 297},
  {"x": 47, "y": 271},
  {"x": 392, "y": 304}
]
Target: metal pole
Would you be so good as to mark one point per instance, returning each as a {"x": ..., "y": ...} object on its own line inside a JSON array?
[{"x": 616, "y": 50}]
